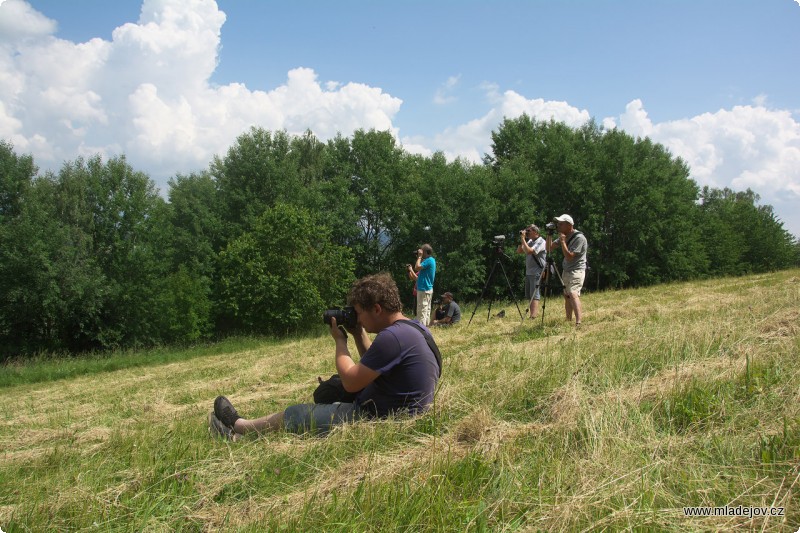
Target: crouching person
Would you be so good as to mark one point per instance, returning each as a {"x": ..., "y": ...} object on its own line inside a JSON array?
[{"x": 396, "y": 374}]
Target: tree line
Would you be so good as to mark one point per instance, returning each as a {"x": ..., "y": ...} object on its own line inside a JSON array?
[{"x": 92, "y": 257}]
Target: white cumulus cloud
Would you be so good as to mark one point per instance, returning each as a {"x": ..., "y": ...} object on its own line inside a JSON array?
[
  {"x": 146, "y": 92},
  {"x": 18, "y": 20},
  {"x": 470, "y": 141},
  {"x": 743, "y": 147}
]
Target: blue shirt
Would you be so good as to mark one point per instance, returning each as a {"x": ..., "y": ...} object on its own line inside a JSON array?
[
  {"x": 408, "y": 372},
  {"x": 426, "y": 275}
]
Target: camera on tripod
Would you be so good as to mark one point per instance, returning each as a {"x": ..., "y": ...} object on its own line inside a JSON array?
[
  {"x": 498, "y": 241},
  {"x": 550, "y": 227}
]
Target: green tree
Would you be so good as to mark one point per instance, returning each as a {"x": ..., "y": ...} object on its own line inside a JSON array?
[
  {"x": 381, "y": 187},
  {"x": 101, "y": 249},
  {"x": 126, "y": 212},
  {"x": 30, "y": 306},
  {"x": 740, "y": 236},
  {"x": 16, "y": 232},
  {"x": 647, "y": 230},
  {"x": 194, "y": 237},
  {"x": 196, "y": 227},
  {"x": 326, "y": 171},
  {"x": 16, "y": 176},
  {"x": 256, "y": 173},
  {"x": 183, "y": 299},
  {"x": 280, "y": 276}
]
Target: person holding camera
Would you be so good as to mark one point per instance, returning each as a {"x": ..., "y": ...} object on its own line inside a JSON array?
[
  {"x": 413, "y": 277},
  {"x": 396, "y": 374},
  {"x": 573, "y": 246},
  {"x": 425, "y": 267},
  {"x": 450, "y": 312},
  {"x": 533, "y": 246}
]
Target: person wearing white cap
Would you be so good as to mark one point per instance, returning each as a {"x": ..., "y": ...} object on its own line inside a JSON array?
[{"x": 573, "y": 246}]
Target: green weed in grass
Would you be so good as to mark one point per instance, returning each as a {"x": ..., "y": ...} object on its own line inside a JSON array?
[
  {"x": 782, "y": 447},
  {"x": 692, "y": 407}
]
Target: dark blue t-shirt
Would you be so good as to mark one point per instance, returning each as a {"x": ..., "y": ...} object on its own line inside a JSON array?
[{"x": 408, "y": 372}]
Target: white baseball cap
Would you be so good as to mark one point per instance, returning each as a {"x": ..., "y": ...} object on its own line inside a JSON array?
[{"x": 565, "y": 218}]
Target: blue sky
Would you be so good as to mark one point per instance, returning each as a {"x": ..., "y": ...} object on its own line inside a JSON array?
[{"x": 170, "y": 83}]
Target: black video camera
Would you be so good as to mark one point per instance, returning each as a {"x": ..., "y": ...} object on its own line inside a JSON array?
[
  {"x": 345, "y": 316},
  {"x": 551, "y": 227},
  {"x": 499, "y": 240}
]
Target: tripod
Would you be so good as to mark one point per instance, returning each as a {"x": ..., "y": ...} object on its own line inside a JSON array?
[
  {"x": 551, "y": 279},
  {"x": 498, "y": 252}
]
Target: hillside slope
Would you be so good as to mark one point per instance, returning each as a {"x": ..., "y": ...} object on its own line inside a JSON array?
[{"x": 670, "y": 396}]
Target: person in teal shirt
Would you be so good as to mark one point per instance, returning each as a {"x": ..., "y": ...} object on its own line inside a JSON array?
[{"x": 425, "y": 268}]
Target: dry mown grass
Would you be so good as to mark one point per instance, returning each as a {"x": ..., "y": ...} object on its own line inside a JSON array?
[{"x": 609, "y": 458}]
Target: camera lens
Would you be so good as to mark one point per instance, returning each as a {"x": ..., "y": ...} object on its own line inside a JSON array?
[{"x": 346, "y": 317}]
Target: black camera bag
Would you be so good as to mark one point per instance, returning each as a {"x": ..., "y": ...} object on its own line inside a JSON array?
[{"x": 332, "y": 391}]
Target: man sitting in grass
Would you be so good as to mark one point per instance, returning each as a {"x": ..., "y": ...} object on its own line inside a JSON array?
[
  {"x": 396, "y": 374},
  {"x": 449, "y": 313}
]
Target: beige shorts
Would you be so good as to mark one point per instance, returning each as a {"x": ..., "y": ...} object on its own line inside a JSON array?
[{"x": 573, "y": 282}]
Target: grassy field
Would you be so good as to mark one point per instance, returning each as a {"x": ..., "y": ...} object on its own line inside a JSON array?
[{"x": 670, "y": 396}]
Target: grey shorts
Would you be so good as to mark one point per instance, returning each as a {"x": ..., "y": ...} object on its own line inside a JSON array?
[
  {"x": 320, "y": 417},
  {"x": 532, "y": 286}
]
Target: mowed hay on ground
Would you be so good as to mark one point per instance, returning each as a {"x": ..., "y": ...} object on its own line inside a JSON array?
[{"x": 671, "y": 396}]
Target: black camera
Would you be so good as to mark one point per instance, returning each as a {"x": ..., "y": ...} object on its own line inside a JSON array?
[
  {"x": 551, "y": 227},
  {"x": 499, "y": 240},
  {"x": 345, "y": 316}
]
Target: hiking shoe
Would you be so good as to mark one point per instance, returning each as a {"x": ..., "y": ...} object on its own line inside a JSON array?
[
  {"x": 219, "y": 429},
  {"x": 224, "y": 411}
]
